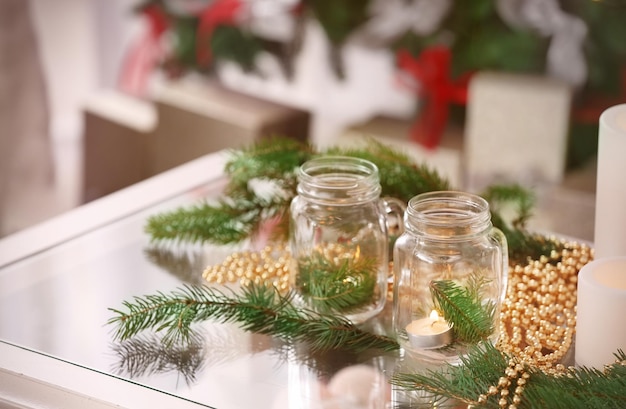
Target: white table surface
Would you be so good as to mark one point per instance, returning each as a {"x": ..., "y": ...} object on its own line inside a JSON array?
[
  {"x": 31, "y": 376},
  {"x": 59, "y": 279}
]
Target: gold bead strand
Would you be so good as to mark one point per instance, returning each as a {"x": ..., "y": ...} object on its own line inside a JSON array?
[
  {"x": 269, "y": 266},
  {"x": 538, "y": 317},
  {"x": 513, "y": 373}
]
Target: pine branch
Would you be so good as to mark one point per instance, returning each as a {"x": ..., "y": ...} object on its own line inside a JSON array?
[
  {"x": 523, "y": 200},
  {"x": 241, "y": 211},
  {"x": 263, "y": 310},
  {"x": 226, "y": 222},
  {"x": 400, "y": 177},
  {"x": 473, "y": 319},
  {"x": 257, "y": 309},
  {"x": 230, "y": 43},
  {"x": 481, "y": 368},
  {"x": 336, "y": 287},
  {"x": 522, "y": 244},
  {"x": 578, "y": 388},
  {"x": 275, "y": 159}
]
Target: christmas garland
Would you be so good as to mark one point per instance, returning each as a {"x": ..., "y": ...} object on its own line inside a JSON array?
[
  {"x": 438, "y": 44},
  {"x": 513, "y": 373},
  {"x": 482, "y": 34}
]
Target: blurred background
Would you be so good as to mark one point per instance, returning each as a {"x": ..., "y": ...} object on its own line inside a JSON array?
[
  {"x": 55, "y": 55},
  {"x": 99, "y": 94}
]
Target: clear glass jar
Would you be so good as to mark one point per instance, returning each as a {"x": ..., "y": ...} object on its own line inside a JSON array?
[
  {"x": 339, "y": 237},
  {"x": 450, "y": 272}
]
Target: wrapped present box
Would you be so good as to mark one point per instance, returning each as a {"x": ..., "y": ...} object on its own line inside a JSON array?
[
  {"x": 516, "y": 130},
  {"x": 127, "y": 140}
]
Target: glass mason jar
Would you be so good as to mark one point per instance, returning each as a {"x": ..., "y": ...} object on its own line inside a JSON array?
[
  {"x": 339, "y": 237},
  {"x": 450, "y": 272}
]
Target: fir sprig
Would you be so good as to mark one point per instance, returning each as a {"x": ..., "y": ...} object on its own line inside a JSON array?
[
  {"x": 471, "y": 316},
  {"x": 257, "y": 309},
  {"x": 240, "y": 212},
  {"x": 342, "y": 286},
  {"x": 580, "y": 387},
  {"x": 523, "y": 201},
  {"x": 519, "y": 201},
  {"x": 400, "y": 176},
  {"x": 484, "y": 365},
  {"x": 224, "y": 222},
  {"x": 274, "y": 159},
  {"x": 479, "y": 369}
]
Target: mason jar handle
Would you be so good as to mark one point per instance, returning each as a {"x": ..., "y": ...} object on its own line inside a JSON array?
[
  {"x": 500, "y": 239},
  {"x": 394, "y": 212}
]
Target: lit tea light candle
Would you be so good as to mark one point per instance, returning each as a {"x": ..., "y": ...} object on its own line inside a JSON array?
[
  {"x": 600, "y": 331},
  {"x": 430, "y": 332}
]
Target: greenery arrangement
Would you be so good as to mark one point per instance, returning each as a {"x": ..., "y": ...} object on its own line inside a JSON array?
[{"x": 241, "y": 212}]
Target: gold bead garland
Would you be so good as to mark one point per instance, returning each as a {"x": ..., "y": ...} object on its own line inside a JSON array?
[
  {"x": 270, "y": 265},
  {"x": 538, "y": 318},
  {"x": 537, "y": 321}
]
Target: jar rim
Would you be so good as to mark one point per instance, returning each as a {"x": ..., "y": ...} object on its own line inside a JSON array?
[
  {"x": 324, "y": 177},
  {"x": 343, "y": 164},
  {"x": 441, "y": 208}
]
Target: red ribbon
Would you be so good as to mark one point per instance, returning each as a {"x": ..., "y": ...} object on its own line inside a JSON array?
[
  {"x": 157, "y": 20},
  {"x": 220, "y": 12},
  {"x": 437, "y": 90},
  {"x": 145, "y": 54}
]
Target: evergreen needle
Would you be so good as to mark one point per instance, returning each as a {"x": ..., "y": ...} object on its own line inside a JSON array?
[
  {"x": 257, "y": 309},
  {"x": 340, "y": 286},
  {"x": 522, "y": 245},
  {"x": 473, "y": 319},
  {"x": 225, "y": 222},
  {"x": 273, "y": 159},
  {"x": 484, "y": 365},
  {"x": 400, "y": 177}
]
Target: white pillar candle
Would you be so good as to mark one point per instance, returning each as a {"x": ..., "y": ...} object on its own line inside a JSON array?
[
  {"x": 610, "y": 222},
  {"x": 600, "y": 326}
]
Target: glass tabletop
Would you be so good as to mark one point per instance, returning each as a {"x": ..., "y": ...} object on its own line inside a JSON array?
[{"x": 57, "y": 301}]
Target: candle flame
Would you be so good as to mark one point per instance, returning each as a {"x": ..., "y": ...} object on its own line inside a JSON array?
[{"x": 434, "y": 316}]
